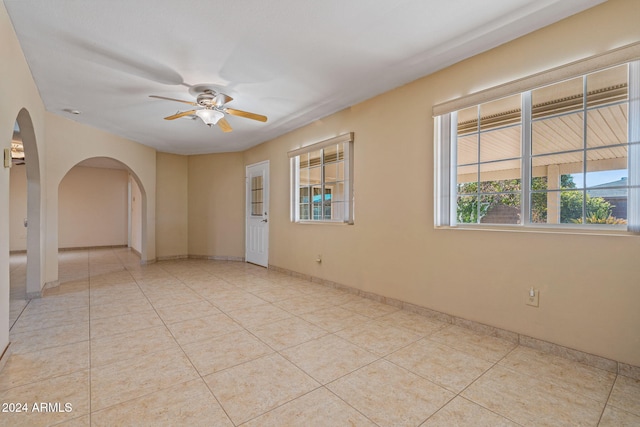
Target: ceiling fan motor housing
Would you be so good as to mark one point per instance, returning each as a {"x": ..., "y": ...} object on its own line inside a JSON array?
[{"x": 207, "y": 99}]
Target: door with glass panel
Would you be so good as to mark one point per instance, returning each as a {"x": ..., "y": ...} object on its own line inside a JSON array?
[{"x": 257, "y": 214}]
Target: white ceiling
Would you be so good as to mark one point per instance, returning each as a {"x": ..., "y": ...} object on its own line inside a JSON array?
[{"x": 294, "y": 61}]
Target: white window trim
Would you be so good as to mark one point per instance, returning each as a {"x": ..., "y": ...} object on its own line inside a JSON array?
[
  {"x": 294, "y": 159},
  {"x": 445, "y": 131},
  {"x": 633, "y": 154}
]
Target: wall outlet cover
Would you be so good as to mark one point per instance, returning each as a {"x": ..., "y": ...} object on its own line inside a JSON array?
[{"x": 534, "y": 300}]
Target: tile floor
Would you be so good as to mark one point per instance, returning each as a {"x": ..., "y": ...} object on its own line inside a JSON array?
[{"x": 196, "y": 342}]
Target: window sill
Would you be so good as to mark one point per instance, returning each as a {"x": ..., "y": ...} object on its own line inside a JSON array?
[
  {"x": 542, "y": 230},
  {"x": 322, "y": 223}
]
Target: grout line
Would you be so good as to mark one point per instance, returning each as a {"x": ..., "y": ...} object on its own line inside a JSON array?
[
  {"x": 606, "y": 403},
  {"x": 494, "y": 364},
  {"x": 347, "y": 403},
  {"x": 19, "y": 315},
  {"x": 459, "y": 394}
]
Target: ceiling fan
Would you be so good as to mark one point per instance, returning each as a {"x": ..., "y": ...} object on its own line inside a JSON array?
[{"x": 213, "y": 108}]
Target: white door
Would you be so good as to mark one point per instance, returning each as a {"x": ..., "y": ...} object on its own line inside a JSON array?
[{"x": 257, "y": 211}]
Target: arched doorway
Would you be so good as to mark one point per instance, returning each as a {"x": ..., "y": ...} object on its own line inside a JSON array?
[
  {"x": 17, "y": 228},
  {"x": 101, "y": 204},
  {"x": 68, "y": 144},
  {"x": 25, "y": 154}
]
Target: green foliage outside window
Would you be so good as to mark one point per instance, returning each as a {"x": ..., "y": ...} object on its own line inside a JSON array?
[{"x": 470, "y": 209}]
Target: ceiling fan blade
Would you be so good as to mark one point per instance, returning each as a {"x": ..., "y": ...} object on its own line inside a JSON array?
[
  {"x": 222, "y": 99},
  {"x": 246, "y": 114},
  {"x": 178, "y": 115},
  {"x": 224, "y": 125},
  {"x": 172, "y": 99}
]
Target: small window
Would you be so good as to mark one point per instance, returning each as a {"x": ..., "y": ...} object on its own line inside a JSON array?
[
  {"x": 322, "y": 181},
  {"x": 257, "y": 191}
]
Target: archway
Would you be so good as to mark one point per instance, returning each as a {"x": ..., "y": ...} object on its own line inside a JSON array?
[
  {"x": 34, "y": 208},
  {"x": 17, "y": 226},
  {"x": 101, "y": 203}
]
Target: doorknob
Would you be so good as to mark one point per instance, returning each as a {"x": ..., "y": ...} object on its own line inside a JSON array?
[{"x": 264, "y": 220}]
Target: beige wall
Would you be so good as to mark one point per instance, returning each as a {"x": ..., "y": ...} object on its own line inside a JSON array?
[
  {"x": 216, "y": 205},
  {"x": 172, "y": 206},
  {"x": 92, "y": 208},
  {"x": 588, "y": 283},
  {"x": 18, "y": 91},
  {"x": 18, "y": 208}
]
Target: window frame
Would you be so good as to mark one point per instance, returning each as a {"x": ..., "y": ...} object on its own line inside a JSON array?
[
  {"x": 445, "y": 151},
  {"x": 348, "y": 217}
]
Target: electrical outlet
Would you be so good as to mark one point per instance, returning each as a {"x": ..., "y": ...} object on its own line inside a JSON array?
[{"x": 533, "y": 297}]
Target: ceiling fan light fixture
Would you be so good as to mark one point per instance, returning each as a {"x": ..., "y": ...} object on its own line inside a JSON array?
[{"x": 209, "y": 116}]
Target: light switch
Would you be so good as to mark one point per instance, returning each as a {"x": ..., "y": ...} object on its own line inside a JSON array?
[{"x": 7, "y": 157}]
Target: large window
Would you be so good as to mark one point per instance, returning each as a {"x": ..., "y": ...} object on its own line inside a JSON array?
[
  {"x": 564, "y": 154},
  {"x": 322, "y": 181}
]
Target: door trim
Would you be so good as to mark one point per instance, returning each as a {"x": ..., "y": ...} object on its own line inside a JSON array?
[{"x": 247, "y": 215}]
